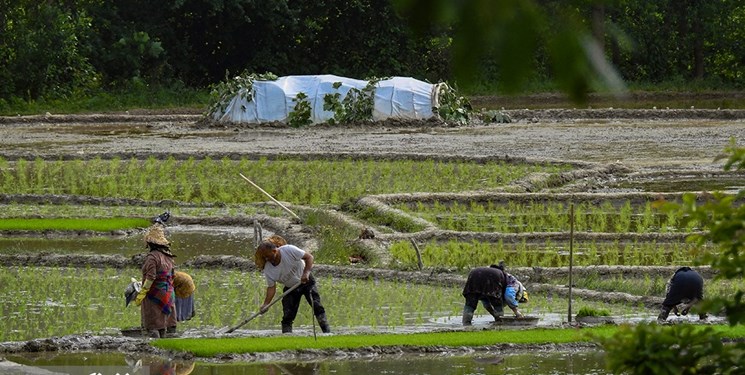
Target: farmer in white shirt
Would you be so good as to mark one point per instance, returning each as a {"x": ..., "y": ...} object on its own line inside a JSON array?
[{"x": 290, "y": 265}]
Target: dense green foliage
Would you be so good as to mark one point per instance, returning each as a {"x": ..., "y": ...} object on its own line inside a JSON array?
[
  {"x": 71, "y": 49},
  {"x": 683, "y": 349}
]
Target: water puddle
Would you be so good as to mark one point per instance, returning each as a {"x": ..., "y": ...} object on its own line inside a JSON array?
[
  {"x": 188, "y": 241},
  {"x": 516, "y": 363}
]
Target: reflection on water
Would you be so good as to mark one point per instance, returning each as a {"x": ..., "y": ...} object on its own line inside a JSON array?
[
  {"x": 521, "y": 363},
  {"x": 188, "y": 241},
  {"x": 726, "y": 184}
]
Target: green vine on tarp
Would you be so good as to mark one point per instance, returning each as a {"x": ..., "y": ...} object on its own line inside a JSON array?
[
  {"x": 450, "y": 106},
  {"x": 332, "y": 103},
  {"x": 301, "y": 113},
  {"x": 357, "y": 105},
  {"x": 223, "y": 92}
]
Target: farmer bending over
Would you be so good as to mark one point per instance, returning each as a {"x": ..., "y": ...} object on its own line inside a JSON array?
[
  {"x": 290, "y": 265},
  {"x": 485, "y": 284},
  {"x": 515, "y": 292},
  {"x": 685, "y": 286}
]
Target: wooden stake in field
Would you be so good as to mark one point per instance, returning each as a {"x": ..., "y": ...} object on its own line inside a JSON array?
[
  {"x": 270, "y": 197},
  {"x": 571, "y": 255}
]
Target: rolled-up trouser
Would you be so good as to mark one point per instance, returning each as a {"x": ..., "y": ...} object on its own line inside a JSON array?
[
  {"x": 472, "y": 301},
  {"x": 291, "y": 302}
]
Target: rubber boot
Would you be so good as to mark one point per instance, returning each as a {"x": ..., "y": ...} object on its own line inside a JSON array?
[
  {"x": 153, "y": 333},
  {"x": 468, "y": 315},
  {"x": 664, "y": 313},
  {"x": 323, "y": 323},
  {"x": 171, "y": 331},
  {"x": 286, "y": 328},
  {"x": 162, "y": 332}
]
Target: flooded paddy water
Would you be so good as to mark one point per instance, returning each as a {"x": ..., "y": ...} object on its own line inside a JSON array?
[
  {"x": 537, "y": 362},
  {"x": 188, "y": 242}
]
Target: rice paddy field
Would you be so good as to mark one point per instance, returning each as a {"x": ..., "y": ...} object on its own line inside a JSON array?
[
  {"x": 394, "y": 230},
  {"x": 462, "y": 215}
]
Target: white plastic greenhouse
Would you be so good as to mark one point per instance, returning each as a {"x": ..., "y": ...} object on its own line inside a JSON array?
[{"x": 275, "y": 100}]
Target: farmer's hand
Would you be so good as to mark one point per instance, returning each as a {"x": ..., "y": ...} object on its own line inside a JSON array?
[
  {"x": 143, "y": 292},
  {"x": 140, "y": 296},
  {"x": 305, "y": 277},
  {"x": 263, "y": 309}
]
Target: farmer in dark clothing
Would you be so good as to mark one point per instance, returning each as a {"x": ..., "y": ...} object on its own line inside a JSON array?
[
  {"x": 685, "y": 286},
  {"x": 485, "y": 284}
]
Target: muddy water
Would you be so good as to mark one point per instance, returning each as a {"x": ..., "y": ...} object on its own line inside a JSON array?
[
  {"x": 188, "y": 241},
  {"x": 518, "y": 363},
  {"x": 729, "y": 185}
]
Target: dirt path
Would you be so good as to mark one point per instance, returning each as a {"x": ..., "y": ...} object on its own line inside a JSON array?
[{"x": 667, "y": 139}]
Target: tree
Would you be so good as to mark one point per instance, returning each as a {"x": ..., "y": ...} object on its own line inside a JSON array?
[
  {"x": 509, "y": 34},
  {"x": 43, "y": 49}
]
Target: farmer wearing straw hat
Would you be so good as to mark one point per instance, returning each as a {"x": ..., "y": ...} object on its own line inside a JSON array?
[
  {"x": 289, "y": 265},
  {"x": 157, "y": 299}
]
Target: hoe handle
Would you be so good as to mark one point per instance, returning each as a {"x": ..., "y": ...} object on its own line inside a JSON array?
[
  {"x": 254, "y": 315},
  {"x": 270, "y": 197}
]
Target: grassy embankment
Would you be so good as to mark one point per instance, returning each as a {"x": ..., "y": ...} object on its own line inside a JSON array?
[
  {"x": 72, "y": 224},
  {"x": 207, "y": 347}
]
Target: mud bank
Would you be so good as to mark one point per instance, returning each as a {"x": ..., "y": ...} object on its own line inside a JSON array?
[{"x": 84, "y": 343}]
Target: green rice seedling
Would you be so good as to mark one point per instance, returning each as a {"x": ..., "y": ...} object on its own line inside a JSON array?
[
  {"x": 335, "y": 246},
  {"x": 589, "y": 311},
  {"x": 209, "y": 181},
  {"x": 647, "y": 220},
  {"x": 623, "y": 223}
]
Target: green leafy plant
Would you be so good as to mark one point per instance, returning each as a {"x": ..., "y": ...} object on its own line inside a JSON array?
[
  {"x": 680, "y": 349},
  {"x": 223, "y": 92},
  {"x": 450, "y": 106},
  {"x": 358, "y": 104},
  {"x": 332, "y": 103},
  {"x": 301, "y": 112}
]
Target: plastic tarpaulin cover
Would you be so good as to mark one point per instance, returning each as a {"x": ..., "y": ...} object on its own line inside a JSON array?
[{"x": 397, "y": 97}]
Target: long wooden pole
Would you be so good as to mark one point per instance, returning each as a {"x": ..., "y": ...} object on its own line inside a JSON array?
[
  {"x": 270, "y": 197},
  {"x": 254, "y": 315},
  {"x": 571, "y": 258}
]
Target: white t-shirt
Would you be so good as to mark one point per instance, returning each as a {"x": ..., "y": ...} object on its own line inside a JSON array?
[{"x": 290, "y": 268}]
